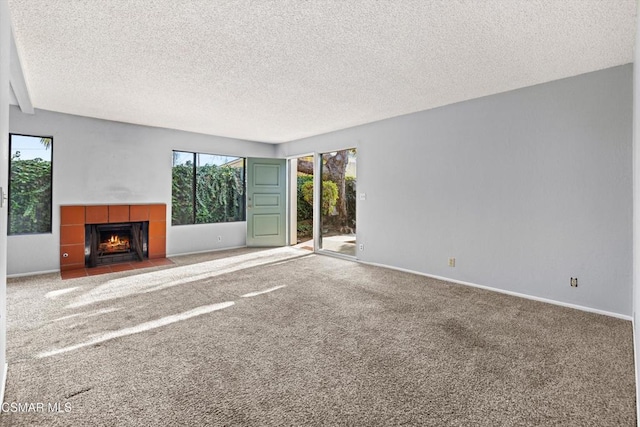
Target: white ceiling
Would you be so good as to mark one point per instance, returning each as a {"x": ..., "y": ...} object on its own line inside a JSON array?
[{"x": 276, "y": 71}]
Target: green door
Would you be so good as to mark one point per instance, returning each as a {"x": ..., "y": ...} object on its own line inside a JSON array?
[{"x": 266, "y": 202}]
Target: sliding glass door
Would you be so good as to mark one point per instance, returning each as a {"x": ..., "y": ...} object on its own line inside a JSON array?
[{"x": 338, "y": 202}]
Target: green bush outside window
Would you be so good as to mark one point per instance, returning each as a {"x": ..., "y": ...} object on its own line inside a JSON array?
[
  {"x": 207, "y": 188},
  {"x": 30, "y": 184}
]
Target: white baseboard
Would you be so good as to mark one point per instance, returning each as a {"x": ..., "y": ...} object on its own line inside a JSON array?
[
  {"x": 205, "y": 251},
  {"x": 503, "y": 291},
  {"x": 32, "y": 273},
  {"x": 4, "y": 382}
]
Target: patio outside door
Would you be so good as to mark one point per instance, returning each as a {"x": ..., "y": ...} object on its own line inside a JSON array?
[
  {"x": 266, "y": 202},
  {"x": 338, "y": 202}
]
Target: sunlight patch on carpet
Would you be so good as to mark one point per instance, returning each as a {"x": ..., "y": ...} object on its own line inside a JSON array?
[
  {"x": 162, "y": 279},
  {"x": 253, "y": 294},
  {"x": 146, "y": 326},
  {"x": 88, "y": 314},
  {"x": 59, "y": 292}
]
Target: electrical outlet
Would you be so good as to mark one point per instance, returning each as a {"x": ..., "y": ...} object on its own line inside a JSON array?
[
  {"x": 219, "y": 238},
  {"x": 574, "y": 282},
  {"x": 361, "y": 246},
  {"x": 452, "y": 262}
]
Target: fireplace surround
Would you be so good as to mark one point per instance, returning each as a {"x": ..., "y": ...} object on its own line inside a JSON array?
[{"x": 121, "y": 233}]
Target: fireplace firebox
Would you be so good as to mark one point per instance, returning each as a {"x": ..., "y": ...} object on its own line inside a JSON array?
[{"x": 114, "y": 243}]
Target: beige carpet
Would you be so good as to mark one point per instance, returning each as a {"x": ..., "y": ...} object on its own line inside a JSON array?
[{"x": 306, "y": 340}]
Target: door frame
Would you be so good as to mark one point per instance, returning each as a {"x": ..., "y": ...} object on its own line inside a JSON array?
[
  {"x": 317, "y": 201},
  {"x": 292, "y": 197}
]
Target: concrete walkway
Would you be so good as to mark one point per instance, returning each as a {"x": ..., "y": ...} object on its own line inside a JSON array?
[{"x": 345, "y": 244}]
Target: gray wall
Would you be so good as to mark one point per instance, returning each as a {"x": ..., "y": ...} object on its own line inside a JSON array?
[
  {"x": 98, "y": 161},
  {"x": 636, "y": 211},
  {"x": 525, "y": 189},
  {"x": 5, "y": 40}
]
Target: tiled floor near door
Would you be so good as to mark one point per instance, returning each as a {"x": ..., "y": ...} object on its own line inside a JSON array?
[{"x": 125, "y": 266}]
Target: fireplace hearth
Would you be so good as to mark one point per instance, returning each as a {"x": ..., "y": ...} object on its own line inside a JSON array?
[{"x": 114, "y": 243}]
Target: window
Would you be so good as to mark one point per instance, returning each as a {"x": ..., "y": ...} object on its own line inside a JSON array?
[
  {"x": 30, "y": 177},
  {"x": 207, "y": 188}
]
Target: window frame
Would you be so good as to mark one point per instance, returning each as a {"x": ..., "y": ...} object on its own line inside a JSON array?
[
  {"x": 194, "y": 181},
  {"x": 9, "y": 190}
]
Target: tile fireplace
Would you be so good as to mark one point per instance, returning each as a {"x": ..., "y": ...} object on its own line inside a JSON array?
[{"x": 98, "y": 235}]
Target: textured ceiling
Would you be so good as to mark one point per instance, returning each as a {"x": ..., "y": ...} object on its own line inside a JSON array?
[{"x": 277, "y": 71}]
